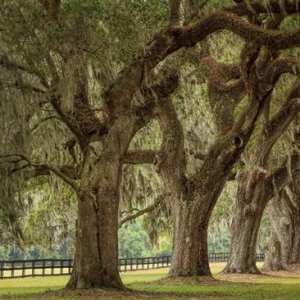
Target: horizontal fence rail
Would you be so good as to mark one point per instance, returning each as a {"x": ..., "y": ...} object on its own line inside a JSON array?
[{"x": 52, "y": 267}]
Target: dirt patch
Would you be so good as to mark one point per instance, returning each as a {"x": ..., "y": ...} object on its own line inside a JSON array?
[
  {"x": 294, "y": 270},
  {"x": 185, "y": 281},
  {"x": 241, "y": 276},
  {"x": 192, "y": 281}
]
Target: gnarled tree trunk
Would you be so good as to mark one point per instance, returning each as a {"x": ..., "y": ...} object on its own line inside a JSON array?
[
  {"x": 255, "y": 190},
  {"x": 246, "y": 222},
  {"x": 283, "y": 247},
  {"x": 292, "y": 197},
  {"x": 190, "y": 244},
  {"x": 96, "y": 257},
  {"x": 191, "y": 219}
]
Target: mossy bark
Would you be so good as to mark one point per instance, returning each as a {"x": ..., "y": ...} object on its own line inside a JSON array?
[{"x": 96, "y": 257}]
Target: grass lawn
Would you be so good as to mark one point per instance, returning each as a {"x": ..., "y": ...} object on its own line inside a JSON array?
[{"x": 148, "y": 285}]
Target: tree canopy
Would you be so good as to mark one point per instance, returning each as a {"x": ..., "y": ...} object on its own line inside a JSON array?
[{"x": 89, "y": 88}]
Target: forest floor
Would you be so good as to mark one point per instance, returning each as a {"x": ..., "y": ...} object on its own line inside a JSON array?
[{"x": 153, "y": 284}]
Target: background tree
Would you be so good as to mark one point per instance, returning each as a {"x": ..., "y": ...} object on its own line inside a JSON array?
[
  {"x": 283, "y": 247},
  {"x": 194, "y": 197},
  {"x": 251, "y": 196}
]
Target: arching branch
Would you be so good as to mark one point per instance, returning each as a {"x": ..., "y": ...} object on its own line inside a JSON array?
[
  {"x": 220, "y": 75},
  {"x": 9, "y": 64},
  {"x": 172, "y": 39},
  {"x": 141, "y": 212},
  {"x": 15, "y": 158}
]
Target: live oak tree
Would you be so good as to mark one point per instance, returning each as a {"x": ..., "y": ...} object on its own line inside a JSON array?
[
  {"x": 192, "y": 198},
  {"x": 256, "y": 186},
  {"x": 53, "y": 50},
  {"x": 256, "y": 179},
  {"x": 53, "y": 67}
]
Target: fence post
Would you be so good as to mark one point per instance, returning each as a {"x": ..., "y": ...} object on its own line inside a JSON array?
[
  {"x": 12, "y": 272},
  {"x": 23, "y": 268},
  {"x": 52, "y": 267},
  {"x": 33, "y": 268},
  {"x": 2, "y": 269},
  {"x": 43, "y": 267}
]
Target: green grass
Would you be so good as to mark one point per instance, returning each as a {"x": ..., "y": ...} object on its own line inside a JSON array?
[{"x": 145, "y": 286}]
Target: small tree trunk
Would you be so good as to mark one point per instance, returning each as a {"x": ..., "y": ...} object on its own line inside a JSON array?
[
  {"x": 191, "y": 218},
  {"x": 279, "y": 246},
  {"x": 285, "y": 218},
  {"x": 246, "y": 222},
  {"x": 293, "y": 204},
  {"x": 295, "y": 251},
  {"x": 274, "y": 258}
]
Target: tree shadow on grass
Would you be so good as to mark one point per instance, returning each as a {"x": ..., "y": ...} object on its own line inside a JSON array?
[{"x": 116, "y": 294}]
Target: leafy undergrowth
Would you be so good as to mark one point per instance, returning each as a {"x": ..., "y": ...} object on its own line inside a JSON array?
[{"x": 153, "y": 285}]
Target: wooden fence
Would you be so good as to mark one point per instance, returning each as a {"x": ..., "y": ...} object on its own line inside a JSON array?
[{"x": 52, "y": 267}]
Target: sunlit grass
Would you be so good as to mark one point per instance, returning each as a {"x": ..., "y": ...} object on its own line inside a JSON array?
[{"x": 252, "y": 288}]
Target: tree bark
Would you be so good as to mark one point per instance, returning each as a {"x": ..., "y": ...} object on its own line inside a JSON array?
[
  {"x": 293, "y": 206},
  {"x": 279, "y": 246},
  {"x": 246, "y": 222},
  {"x": 255, "y": 190},
  {"x": 192, "y": 199},
  {"x": 283, "y": 247},
  {"x": 191, "y": 219},
  {"x": 96, "y": 257}
]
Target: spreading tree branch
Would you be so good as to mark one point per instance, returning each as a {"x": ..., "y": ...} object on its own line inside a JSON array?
[
  {"x": 59, "y": 173},
  {"x": 12, "y": 65},
  {"x": 141, "y": 212},
  {"x": 175, "y": 38}
]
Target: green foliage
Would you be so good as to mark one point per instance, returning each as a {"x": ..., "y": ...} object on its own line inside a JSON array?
[
  {"x": 3, "y": 253},
  {"x": 134, "y": 241}
]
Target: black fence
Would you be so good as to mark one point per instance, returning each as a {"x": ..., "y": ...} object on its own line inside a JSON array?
[{"x": 52, "y": 267}]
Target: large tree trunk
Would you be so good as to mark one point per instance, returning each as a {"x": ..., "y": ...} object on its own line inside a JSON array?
[
  {"x": 190, "y": 243},
  {"x": 249, "y": 208},
  {"x": 96, "y": 257},
  {"x": 191, "y": 199}
]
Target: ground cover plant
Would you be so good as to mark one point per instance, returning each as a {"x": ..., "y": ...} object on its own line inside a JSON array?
[{"x": 152, "y": 284}]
